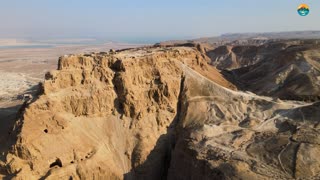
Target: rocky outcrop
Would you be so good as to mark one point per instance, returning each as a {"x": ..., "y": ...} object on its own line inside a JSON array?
[
  {"x": 159, "y": 113},
  {"x": 106, "y": 115}
]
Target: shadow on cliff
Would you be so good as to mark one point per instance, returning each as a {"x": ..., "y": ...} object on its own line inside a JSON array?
[
  {"x": 10, "y": 124},
  {"x": 158, "y": 161},
  {"x": 157, "y": 164},
  {"x": 8, "y": 120}
]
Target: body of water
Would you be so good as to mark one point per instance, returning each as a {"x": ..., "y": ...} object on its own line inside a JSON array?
[{"x": 27, "y": 47}]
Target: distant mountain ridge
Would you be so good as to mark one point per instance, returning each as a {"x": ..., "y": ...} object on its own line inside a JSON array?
[{"x": 250, "y": 38}]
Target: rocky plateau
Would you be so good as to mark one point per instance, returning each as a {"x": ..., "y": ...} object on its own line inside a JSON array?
[{"x": 188, "y": 111}]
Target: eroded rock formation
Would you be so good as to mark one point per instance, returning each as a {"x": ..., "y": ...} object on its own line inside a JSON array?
[
  {"x": 105, "y": 115},
  {"x": 159, "y": 113},
  {"x": 289, "y": 70}
]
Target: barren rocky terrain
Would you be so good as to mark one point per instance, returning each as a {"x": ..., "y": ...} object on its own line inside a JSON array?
[
  {"x": 22, "y": 68},
  {"x": 285, "y": 70},
  {"x": 171, "y": 112},
  {"x": 21, "y": 71}
]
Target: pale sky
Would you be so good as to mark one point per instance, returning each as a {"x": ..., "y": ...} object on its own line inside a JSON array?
[{"x": 150, "y": 19}]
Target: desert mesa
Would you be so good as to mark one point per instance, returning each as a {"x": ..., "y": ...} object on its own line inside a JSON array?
[{"x": 244, "y": 109}]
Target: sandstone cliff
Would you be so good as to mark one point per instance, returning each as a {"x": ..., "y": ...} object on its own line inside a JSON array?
[
  {"x": 158, "y": 113},
  {"x": 105, "y": 115}
]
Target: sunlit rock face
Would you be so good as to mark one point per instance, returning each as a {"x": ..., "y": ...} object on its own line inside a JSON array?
[{"x": 161, "y": 113}]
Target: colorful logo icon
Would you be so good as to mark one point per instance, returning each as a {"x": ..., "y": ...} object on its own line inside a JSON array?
[{"x": 303, "y": 10}]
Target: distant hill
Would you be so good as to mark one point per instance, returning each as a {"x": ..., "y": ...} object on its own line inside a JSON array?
[
  {"x": 267, "y": 35},
  {"x": 250, "y": 38}
]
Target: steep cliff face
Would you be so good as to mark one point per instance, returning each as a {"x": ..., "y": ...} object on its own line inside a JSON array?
[
  {"x": 159, "y": 113},
  {"x": 106, "y": 115}
]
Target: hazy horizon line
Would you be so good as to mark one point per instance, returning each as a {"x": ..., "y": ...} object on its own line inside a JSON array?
[{"x": 141, "y": 39}]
